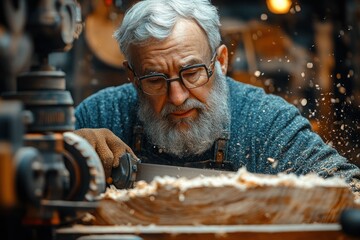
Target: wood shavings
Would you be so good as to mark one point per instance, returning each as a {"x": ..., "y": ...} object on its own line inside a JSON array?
[{"x": 236, "y": 198}]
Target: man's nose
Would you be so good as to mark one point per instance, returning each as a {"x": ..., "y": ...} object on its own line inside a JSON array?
[{"x": 178, "y": 93}]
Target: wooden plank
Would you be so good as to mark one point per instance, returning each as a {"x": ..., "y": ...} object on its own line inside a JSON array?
[{"x": 234, "y": 199}]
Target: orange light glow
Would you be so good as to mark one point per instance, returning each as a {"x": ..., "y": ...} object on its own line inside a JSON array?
[{"x": 279, "y": 6}]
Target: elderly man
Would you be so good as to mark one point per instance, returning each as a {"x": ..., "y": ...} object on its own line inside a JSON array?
[{"x": 181, "y": 109}]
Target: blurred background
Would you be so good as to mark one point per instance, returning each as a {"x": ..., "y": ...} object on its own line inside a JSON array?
[{"x": 305, "y": 51}]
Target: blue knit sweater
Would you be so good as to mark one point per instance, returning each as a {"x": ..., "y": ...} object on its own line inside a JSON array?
[{"x": 267, "y": 134}]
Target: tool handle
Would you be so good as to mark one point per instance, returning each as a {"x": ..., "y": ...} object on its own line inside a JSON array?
[{"x": 124, "y": 176}]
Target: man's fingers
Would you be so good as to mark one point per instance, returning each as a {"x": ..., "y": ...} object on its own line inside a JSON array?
[
  {"x": 118, "y": 147},
  {"x": 129, "y": 150},
  {"x": 107, "y": 158},
  {"x": 117, "y": 156},
  {"x": 108, "y": 146},
  {"x": 88, "y": 135}
]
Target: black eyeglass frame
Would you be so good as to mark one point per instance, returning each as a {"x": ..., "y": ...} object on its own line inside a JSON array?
[{"x": 209, "y": 71}]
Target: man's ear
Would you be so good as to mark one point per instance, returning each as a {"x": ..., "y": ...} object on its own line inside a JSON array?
[
  {"x": 130, "y": 73},
  {"x": 222, "y": 57}
]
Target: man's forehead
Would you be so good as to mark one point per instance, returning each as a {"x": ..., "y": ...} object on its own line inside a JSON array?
[
  {"x": 163, "y": 64},
  {"x": 159, "y": 60}
]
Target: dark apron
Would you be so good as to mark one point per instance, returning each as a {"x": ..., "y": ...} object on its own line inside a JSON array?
[{"x": 218, "y": 160}]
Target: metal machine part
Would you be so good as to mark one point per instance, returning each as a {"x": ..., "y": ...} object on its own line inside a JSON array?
[
  {"x": 30, "y": 175},
  {"x": 15, "y": 46},
  {"x": 49, "y": 174},
  {"x": 125, "y": 175},
  {"x": 147, "y": 172},
  {"x": 47, "y": 178},
  {"x": 52, "y": 25},
  {"x": 83, "y": 163},
  {"x": 350, "y": 222},
  {"x": 131, "y": 171}
]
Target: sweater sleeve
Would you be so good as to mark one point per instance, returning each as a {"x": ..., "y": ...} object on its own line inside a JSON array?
[
  {"x": 286, "y": 138},
  {"x": 113, "y": 108}
]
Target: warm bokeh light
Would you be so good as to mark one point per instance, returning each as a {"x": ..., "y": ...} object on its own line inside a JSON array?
[{"x": 279, "y": 6}]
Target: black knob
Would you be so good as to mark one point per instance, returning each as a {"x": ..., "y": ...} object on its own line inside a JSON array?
[{"x": 350, "y": 222}]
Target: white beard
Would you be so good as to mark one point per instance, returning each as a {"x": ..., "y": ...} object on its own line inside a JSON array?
[{"x": 202, "y": 132}]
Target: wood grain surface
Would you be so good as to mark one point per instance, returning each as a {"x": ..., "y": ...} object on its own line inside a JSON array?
[{"x": 242, "y": 198}]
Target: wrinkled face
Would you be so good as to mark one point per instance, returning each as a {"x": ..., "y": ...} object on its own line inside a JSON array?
[
  {"x": 183, "y": 121},
  {"x": 186, "y": 46}
]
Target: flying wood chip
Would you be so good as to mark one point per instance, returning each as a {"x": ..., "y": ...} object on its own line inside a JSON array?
[{"x": 236, "y": 198}]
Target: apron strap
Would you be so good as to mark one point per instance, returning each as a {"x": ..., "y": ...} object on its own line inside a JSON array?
[
  {"x": 221, "y": 148},
  {"x": 138, "y": 140},
  {"x": 219, "y": 160}
]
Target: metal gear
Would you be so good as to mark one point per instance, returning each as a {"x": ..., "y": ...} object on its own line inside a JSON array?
[{"x": 87, "y": 176}]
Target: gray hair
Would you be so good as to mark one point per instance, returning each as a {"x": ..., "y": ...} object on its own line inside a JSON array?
[{"x": 156, "y": 18}]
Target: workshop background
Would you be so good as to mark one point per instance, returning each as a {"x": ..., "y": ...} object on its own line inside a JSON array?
[{"x": 307, "y": 52}]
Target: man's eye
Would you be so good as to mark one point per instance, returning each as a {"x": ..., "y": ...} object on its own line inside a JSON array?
[
  {"x": 155, "y": 80},
  {"x": 154, "y": 83},
  {"x": 191, "y": 74}
]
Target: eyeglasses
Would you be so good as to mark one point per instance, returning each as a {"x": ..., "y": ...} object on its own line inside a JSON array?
[{"x": 191, "y": 77}]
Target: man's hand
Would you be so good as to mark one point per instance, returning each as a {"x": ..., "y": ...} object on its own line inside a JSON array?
[{"x": 107, "y": 145}]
